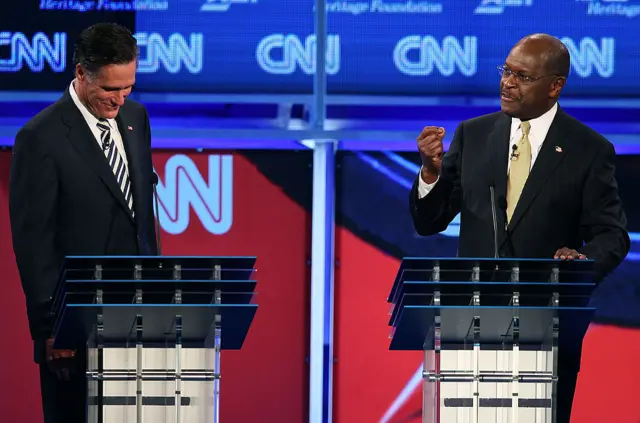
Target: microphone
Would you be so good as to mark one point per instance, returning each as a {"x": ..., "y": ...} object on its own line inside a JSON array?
[
  {"x": 502, "y": 204},
  {"x": 154, "y": 181},
  {"x": 495, "y": 221},
  {"x": 514, "y": 152},
  {"x": 106, "y": 144}
]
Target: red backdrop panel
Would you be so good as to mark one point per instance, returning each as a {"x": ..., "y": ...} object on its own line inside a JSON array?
[
  {"x": 19, "y": 378},
  {"x": 266, "y": 380},
  {"x": 369, "y": 379}
]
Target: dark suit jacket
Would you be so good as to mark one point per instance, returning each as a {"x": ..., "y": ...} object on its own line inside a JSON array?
[
  {"x": 64, "y": 199},
  {"x": 570, "y": 198}
]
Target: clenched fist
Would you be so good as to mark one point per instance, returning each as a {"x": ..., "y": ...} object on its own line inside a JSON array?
[{"x": 431, "y": 150}]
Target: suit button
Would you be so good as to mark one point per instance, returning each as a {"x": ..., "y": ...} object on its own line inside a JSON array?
[{"x": 138, "y": 236}]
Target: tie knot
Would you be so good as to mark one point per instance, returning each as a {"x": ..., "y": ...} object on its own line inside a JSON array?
[
  {"x": 526, "y": 127},
  {"x": 102, "y": 124}
]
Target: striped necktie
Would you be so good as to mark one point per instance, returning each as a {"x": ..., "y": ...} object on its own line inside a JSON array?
[
  {"x": 115, "y": 160},
  {"x": 519, "y": 172}
]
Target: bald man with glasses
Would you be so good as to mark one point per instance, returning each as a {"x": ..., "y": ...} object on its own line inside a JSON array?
[{"x": 554, "y": 181}]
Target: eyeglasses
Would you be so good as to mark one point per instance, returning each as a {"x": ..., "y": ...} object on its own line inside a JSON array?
[{"x": 505, "y": 72}]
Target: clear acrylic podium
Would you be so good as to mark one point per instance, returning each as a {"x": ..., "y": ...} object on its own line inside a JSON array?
[
  {"x": 489, "y": 331},
  {"x": 153, "y": 329}
]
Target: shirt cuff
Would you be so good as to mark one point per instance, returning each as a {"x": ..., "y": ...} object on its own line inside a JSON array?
[{"x": 424, "y": 188}]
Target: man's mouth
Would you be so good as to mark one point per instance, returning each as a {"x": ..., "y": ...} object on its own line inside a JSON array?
[{"x": 504, "y": 96}]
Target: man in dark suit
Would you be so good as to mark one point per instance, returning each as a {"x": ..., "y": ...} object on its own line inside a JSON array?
[
  {"x": 554, "y": 181},
  {"x": 81, "y": 184}
]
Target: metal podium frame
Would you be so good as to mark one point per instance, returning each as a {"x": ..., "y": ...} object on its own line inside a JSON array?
[
  {"x": 437, "y": 306},
  {"x": 153, "y": 326}
]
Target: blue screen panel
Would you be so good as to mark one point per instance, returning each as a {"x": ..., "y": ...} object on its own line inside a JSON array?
[{"x": 383, "y": 47}]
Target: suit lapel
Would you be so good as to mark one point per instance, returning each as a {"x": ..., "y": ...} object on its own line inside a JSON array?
[
  {"x": 84, "y": 142},
  {"x": 499, "y": 139},
  {"x": 132, "y": 152},
  {"x": 551, "y": 155}
]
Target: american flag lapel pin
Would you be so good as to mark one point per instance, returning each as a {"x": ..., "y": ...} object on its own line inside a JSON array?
[
  {"x": 130, "y": 128},
  {"x": 558, "y": 149}
]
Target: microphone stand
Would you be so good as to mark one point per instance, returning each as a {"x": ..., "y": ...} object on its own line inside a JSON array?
[{"x": 154, "y": 180}]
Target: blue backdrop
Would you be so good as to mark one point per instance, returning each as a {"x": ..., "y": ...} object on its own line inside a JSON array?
[
  {"x": 383, "y": 46},
  {"x": 396, "y": 47}
]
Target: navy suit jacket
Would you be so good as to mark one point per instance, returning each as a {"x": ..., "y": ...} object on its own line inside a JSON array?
[
  {"x": 64, "y": 200},
  {"x": 570, "y": 198}
]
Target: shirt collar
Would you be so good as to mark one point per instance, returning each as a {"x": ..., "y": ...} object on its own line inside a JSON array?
[{"x": 540, "y": 125}]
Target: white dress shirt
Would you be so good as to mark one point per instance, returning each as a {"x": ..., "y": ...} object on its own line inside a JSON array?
[
  {"x": 92, "y": 121},
  {"x": 538, "y": 132}
]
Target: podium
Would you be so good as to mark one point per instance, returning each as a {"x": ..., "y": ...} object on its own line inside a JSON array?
[
  {"x": 153, "y": 329},
  {"x": 489, "y": 331}
]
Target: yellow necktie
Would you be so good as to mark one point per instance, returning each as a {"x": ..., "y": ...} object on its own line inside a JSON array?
[{"x": 519, "y": 171}]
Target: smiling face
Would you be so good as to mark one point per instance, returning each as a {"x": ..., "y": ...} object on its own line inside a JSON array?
[
  {"x": 104, "y": 93},
  {"x": 528, "y": 88}
]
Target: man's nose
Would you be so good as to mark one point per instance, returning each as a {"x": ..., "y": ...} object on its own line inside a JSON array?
[
  {"x": 119, "y": 98},
  {"x": 510, "y": 81}
]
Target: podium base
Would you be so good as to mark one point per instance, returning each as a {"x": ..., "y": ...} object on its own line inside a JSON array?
[
  {"x": 123, "y": 391},
  {"x": 485, "y": 386}
]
